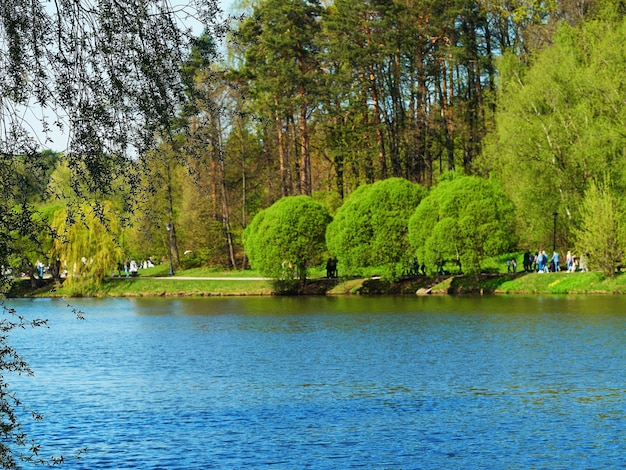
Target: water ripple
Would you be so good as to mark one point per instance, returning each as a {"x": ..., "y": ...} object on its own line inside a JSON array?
[{"x": 330, "y": 383}]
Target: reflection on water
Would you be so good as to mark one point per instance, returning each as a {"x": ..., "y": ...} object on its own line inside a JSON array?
[{"x": 424, "y": 382}]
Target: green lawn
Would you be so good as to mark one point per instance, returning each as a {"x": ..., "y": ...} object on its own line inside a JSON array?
[
  {"x": 152, "y": 287},
  {"x": 153, "y": 282},
  {"x": 563, "y": 283},
  {"x": 535, "y": 283}
]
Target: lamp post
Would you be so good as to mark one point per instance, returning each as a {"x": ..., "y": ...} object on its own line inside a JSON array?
[
  {"x": 168, "y": 227},
  {"x": 554, "y": 214}
]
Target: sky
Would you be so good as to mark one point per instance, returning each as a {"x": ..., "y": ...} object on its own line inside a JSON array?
[
  {"x": 56, "y": 139},
  {"x": 226, "y": 5}
]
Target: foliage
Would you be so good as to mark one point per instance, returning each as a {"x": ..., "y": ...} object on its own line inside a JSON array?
[
  {"x": 386, "y": 88},
  {"x": 329, "y": 199},
  {"x": 464, "y": 218},
  {"x": 87, "y": 247},
  {"x": 158, "y": 197},
  {"x": 371, "y": 227},
  {"x": 128, "y": 53},
  {"x": 600, "y": 237},
  {"x": 285, "y": 239},
  {"x": 560, "y": 126},
  {"x": 281, "y": 65},
  {"x": 29, "y": 248}
]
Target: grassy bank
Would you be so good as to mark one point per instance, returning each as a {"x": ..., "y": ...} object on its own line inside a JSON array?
[
  {"x": 247, "y": 283},
  {"x": 155, "y": 287},
  {"x": 147, "y": 287},
  {"x": 534, "y": 283},
  {"x": 557, "y": 283},
  {"x": 522, "y": 283}
]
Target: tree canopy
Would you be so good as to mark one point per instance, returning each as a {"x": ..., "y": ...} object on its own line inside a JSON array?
[
  {"x": 370, "y": 229},
  {"x": 107, "y": 74},
  {"x": 463, "y": 219},
  {"x": 283, "y": 240},
  {"x": 601, "y": 236},
  {"x": 560, "y": 127}
]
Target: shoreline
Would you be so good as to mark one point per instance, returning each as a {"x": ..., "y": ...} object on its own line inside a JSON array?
[{"x": 560, "y": 283}]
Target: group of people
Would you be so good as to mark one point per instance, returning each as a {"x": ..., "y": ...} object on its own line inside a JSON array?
[
  {"x": 54, "y": 269},
  {"x": 131, "y": 268},
  {"x": 541, "y": 263}
]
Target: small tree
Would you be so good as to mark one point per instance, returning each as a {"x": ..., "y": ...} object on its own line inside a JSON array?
[
  {"x": 286, "y": 238},
  {"x": 600, "y": 236},
  {"x": 87, "y": 246},
  {"x": 464, "y": 219},
  {"x": 371, "y": 228}
]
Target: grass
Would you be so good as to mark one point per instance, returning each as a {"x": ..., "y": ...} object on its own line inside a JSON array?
[
  {"x": 159, "y": 286},
  {"x": 535, "y": 283},
  {"x": 205, "y": 272},
  {"x": 563, "y": 283},
  {"x": 152, "y": 282},
  {"x": 155, "y": 282}
]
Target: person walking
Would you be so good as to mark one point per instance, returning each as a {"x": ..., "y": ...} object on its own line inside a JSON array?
[
  {"x": 528, "y": 262},
  {"x": 555, "y": 262},
  {"x": 569, "y": 261},
  {"x": 539, "y": 261}
]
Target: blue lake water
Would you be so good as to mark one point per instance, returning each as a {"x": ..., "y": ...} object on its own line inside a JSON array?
[{"x": 329, "y": 383}]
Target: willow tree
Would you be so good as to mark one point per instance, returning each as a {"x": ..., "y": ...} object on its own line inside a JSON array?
[
  {"x": 88, "y": 248},
  {"x": 107, "y": 75},
  {"x": 287, "y": 238},
  {"x": 560, "y": 127},
  {"x": 463, "y": 219},
  {"x": 370, "y": 229}
]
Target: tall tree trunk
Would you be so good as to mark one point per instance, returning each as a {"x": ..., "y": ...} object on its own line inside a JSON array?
[
  {"x": 339, "y": 155},
  {"x": 296, "y": 180},
  {"x": 396, "y": 123},
  {"x": 382, "y": 157},
  {"x": 445, "y": 98},
  {"x": 244, "y": 188},
  {"x": 220, "y": 180},
  {"x": 215, "y": 195},
  {"x": 368, "y": 164},
  {"x": 305, "y": 169},
  {"x": 226, "y": 216},
  {"x": 424, "y": 155},
  {"x": 281, "y": 152},
  {"x": 172, "y": 240},
  {"x": 270, "y": 164}
]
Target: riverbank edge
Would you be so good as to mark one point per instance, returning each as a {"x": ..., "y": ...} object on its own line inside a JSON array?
[{"x": 519, "y": 283}]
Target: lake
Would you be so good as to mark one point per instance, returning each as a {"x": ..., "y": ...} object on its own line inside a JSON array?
[{"x": 488, "y": 382}]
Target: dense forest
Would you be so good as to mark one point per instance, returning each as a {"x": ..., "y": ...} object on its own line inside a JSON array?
[{"x": 303, "y": 97}]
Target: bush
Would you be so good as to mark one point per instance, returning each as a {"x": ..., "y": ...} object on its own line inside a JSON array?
[
  {"x": 464, "y": 219},
  {"x": 371, "y": 228},
  {"x": 288, "y": 237}
]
